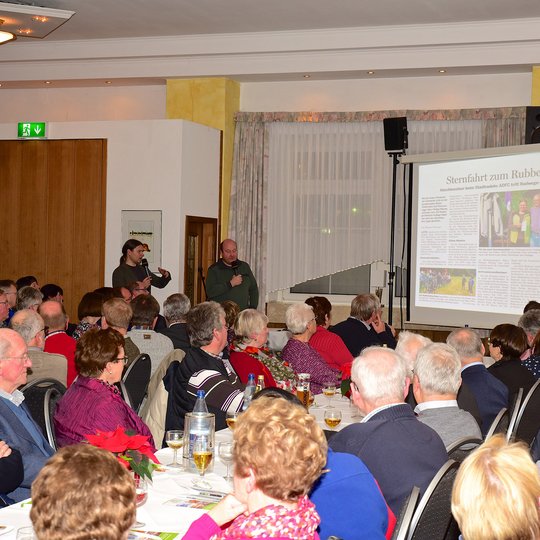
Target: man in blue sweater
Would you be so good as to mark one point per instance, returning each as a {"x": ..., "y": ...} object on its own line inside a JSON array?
[{"x": 400, "y": 451}]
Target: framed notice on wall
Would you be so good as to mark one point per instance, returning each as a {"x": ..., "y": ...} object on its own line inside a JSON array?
[{"x": 145, "y": 226}]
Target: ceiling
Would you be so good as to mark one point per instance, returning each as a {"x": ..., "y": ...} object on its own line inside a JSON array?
[{"x": 256, "y": 40}]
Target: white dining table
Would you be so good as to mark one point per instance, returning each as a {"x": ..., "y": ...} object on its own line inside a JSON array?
[
  {"x": 162, "y": 512},
  {"x": 349, "y": 412}
]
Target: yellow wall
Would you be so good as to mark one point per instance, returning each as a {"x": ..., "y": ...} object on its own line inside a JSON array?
[
  {"x": 535, "y": 94},
  {"x": 212, "y": 102}
]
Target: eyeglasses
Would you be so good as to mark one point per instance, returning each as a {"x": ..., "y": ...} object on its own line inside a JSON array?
[
  {"x": 45, "y": 329},
  {"x": 123, "y": 359},
  {"x": 5, "y": 303},
  {"x": 22, "y": 357}
]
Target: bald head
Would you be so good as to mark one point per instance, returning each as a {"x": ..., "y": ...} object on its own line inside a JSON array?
[
  {"x": 29, "y": 325},
  {"x": 468, "y": 345},
  {"x": 54, "y": 315},
  {"x": 229, "y": 251}
]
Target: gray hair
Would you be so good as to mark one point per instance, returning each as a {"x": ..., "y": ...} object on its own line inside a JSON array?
[
  {"x": 530, "y": 322},
  {"x": 438, "y": 369},
  {"x": 7, "y": 336},
  {"x": 28, "y": 297},
  {"x": 249, "y": 322},
  {"x": 466, "y": 342},
  {"x": 297, "y": 317},
  {"x": 175, "y": 308},
  {"x": 202, "y": 320},
  {"x": 363, "y": 306},
  {"x": 27, "y": 323},
  {"x": 409, "y": 344},
  {"x": 380, "y": 375}
]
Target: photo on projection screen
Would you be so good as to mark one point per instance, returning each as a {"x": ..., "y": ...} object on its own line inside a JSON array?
[{"x": 476, "y": 240}]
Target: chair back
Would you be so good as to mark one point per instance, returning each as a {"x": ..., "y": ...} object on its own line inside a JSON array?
[
  {"x": 513, "y": 417},
  {"x": 433, "y": 515},
  {"x": 461, "y": 448},
  {"x": 499, "y": 424},
  {"x": 41, "y": 396},
  {"x": 405, "y": 515},
  {"x": 528, "y": 420},
  {"x": 135, "y": 380}
]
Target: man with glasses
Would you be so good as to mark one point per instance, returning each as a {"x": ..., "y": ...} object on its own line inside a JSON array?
[
  {"x": 17, "y": 428},
  {"x": 30, "y": 326},
  {"x": 8, "y": 287},
  {"x": 4, "y": 310}
]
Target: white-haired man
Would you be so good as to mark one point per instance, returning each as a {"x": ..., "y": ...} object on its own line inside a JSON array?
[
  {"x": 30, "y": 326},
  {"x": 400, "y": 451},
  {"x": 436, "y": 381},
  {"x": 175, "y": 309}
]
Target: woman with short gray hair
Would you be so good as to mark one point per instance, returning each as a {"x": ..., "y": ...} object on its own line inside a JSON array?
[{"x": 300, "y": 320}]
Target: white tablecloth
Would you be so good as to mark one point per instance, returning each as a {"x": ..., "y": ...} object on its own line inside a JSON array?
[
  {"x": 156, "y": 514},
  {"x": 349, "y": 412}
]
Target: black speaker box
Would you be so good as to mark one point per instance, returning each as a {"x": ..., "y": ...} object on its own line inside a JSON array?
[
  {"x": 395, "y": 134},
  {"x": 532, "y": 125}
]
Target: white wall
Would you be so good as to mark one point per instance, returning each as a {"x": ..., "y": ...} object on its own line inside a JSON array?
[
  {"x": 148, "y": 163},
  {"x": 444, "y": 92},
  {"x": 90, "y": 103}
]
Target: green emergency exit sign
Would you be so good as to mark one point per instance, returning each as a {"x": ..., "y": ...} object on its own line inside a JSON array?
[{"x": 31, "y": 130}]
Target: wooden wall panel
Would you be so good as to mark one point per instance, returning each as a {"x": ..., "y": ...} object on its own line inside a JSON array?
[{"x": 54, "y": 226}]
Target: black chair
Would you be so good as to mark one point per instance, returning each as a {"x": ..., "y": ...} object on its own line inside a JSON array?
[
  {"x": 499, "y": 424},
  {"x": 433, "y": 516},
  {"x": 41, "y": 397},
  {"x": 134, "y": 383},
  {"x": 528, "y": 419},
  {"x": 513, "y": 417},
  {"x": 461, "y": 448},
  {"x": 405, "y": 515}
]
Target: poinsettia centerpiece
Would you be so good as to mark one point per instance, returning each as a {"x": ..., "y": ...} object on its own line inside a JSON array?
[{"x": 133, "y": 451}]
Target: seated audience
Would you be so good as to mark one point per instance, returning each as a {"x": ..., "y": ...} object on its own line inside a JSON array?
[
  {"x": 232, "y": 309},
  {"x": 491, "y": 394},
  {"x": 27, "y": 281},
  {"x": 89, "y": 313},
  {"x": 364, "y": 328},
  {"x": 142, "y": 333},
  {"x": 8, "y": 287},
  {"x": 17, "y": 427},
  {"x": 50, "y": 291},
  {"x": 436, "y": 381},
  {"x": 83, "y": 492},
  {"x": 247, "y": 354},
  {"x": 175, "y": 309},
  {"x": 299, "y": 354},
  {"x": 122, "y": 292},
  {"x": 279, "y": 453},
  {"x": 57, "y": 341},
  {"x": 29, "y": 298},
  {"x": 496, "y": 493},
  {"x": 4, "y": 310},
  {"x": 11, "y": 472},
  {"x": 116, "y": 314},
  {"x": 507, "y": 342},
  {"x": 531, "y": 304},
  {"x": 92, "y": 402},
  {"x": 204, "y": 368},
  {"x": 328, "y": 344},
  {"x": 31, "y": 328},
  {"x": 400, "y": 451}
]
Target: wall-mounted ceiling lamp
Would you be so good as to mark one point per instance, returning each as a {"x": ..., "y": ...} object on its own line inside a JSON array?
[
  {"x": 5, "y": 36},
  {"x": 32, "y": 21}
]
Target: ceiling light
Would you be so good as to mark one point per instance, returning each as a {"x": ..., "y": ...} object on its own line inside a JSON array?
[
  {"x": 108, "y": 82},
  {"x": 47, "y": 82},
  {"x": 371, "y": 73},
  {"x": 5, "y": 36},
  {"x": 306, "y": 76},
  {"x": 40, "y": 19},
  {"x": 24, "y": 31},
  {"x": 442, "y": 70}
]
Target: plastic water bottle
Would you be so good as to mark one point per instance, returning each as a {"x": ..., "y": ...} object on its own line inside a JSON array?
[
  {"x": 249, "y": 392},
  {"x": 200, "y": 404}
]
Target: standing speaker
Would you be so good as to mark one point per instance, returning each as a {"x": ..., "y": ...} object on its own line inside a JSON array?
[
  {"x": 532, "y": 125},
  {"x": 395, "y": 134}
]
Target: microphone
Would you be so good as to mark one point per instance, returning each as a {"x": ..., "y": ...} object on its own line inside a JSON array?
[
  {"x": 144, "y": 264},
  {"x": 234, "y": 266}
]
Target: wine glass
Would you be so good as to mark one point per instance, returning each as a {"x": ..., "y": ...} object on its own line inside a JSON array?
[
  {"x": 332, "y": 417},
  {"x": 225, "y": 453},
  {"x": 231, "y": 418},
  {"x": 202, "y": 454},
  {"x": 329, "y": 391},
  {"x": 175, "y": 440},
  {"x": 141, "y": 494}
]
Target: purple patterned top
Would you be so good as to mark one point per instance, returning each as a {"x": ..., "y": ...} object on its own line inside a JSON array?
[{"x": 304, "y": 359}]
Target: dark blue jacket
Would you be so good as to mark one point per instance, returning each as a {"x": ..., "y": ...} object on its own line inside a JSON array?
[{"x": 357, "y": 337}]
